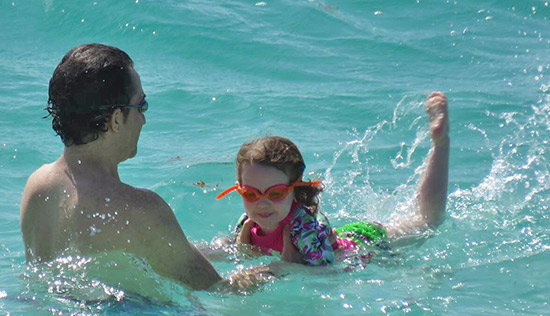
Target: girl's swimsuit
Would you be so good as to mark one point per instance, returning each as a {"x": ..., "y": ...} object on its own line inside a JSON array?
[{"x": 310, "y": 234}]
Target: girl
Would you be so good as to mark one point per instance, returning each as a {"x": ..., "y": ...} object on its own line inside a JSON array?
[{"x": 279, "y": 203}]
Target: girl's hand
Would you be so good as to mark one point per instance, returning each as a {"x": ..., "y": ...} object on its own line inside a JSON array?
[
  {"x": 244, "y": 234},
  {"x": 290, "y": 253}
]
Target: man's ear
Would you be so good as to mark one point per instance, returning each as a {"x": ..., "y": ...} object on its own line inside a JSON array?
[{"x": 115, "y": 121}]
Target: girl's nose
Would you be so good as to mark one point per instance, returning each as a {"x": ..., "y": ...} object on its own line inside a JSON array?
[{"x": 263, "y": 202}]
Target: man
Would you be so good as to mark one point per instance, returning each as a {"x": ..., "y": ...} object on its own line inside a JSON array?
[{"x": 78, "y": 203}]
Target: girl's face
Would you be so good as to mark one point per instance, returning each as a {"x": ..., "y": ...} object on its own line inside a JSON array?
[{"x": 265, "y": 212}]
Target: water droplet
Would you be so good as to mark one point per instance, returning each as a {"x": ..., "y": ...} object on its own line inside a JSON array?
[
  {"x": 79, "y": 162},
  {"x": 94, "y": 230},
  {"x": 127, "y": 222},
  {"x": 107, "y": 200},
  {"x": 46, "y": 198}
]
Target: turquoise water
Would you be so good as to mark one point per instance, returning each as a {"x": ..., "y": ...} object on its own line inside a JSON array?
[{"x": 346, "y": 81}]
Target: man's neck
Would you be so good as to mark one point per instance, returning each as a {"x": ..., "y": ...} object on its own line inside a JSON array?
[{"x": 92, "y": 158}]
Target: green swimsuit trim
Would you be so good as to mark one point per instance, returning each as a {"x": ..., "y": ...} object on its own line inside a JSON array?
[{"x": 361, "y": 232}]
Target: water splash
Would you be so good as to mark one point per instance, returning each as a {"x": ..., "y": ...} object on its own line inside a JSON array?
[
  {"x": 353, "y": 192},
  {"x": 506, "y": 212}
]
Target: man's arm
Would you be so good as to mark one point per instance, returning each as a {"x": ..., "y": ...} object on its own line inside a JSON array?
[
  {"x": 167, "y": 249},
  {"x": 38, "y": 218}
]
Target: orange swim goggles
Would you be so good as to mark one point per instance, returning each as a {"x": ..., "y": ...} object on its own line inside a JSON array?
[{"x": 275, "y": 193}]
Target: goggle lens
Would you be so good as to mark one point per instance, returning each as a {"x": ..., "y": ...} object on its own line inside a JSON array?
[
  {"x": 250, "y": 195},
  {"x": 275, "y": 193}
]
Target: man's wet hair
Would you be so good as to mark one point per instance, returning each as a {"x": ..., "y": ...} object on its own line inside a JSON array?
[{"x": 87, "y": 82}]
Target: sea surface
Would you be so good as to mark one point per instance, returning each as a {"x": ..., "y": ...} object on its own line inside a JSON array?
[{"x": 345, "y": 80}]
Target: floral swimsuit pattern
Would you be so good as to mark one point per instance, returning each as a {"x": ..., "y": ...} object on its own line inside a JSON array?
[{"x": 309, "y": 233}]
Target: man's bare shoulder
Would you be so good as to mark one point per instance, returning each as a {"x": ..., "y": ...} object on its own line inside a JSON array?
[
  {"x": 150, "y": 216},
  {"x": 143, "y": 199},
  {"x": 42, "y": 184},
  {"x": 44, "y": 177}
]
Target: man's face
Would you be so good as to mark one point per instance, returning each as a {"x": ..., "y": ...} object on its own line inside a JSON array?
[{"x": 135, "y": 119}]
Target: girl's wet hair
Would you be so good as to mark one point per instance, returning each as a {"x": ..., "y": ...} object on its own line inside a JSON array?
[{"x": 282, "y": 154}]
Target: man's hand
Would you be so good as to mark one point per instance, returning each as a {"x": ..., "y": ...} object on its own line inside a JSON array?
[{"x": 246, "y": 281}]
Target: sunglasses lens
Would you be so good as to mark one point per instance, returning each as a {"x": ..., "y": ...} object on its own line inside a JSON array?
[{"x": 144, "y": 106}]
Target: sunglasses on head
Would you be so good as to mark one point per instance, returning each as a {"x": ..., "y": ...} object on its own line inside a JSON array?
[{"x": 275, "y": 193}]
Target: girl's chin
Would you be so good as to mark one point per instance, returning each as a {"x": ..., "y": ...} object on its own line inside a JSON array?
[{"x": 267, "y": 228}]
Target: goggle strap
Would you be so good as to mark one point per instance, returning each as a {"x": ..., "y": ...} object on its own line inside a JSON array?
[
  {"x": 227, "y": 191},
  {"x": 307, "y": 184}
]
